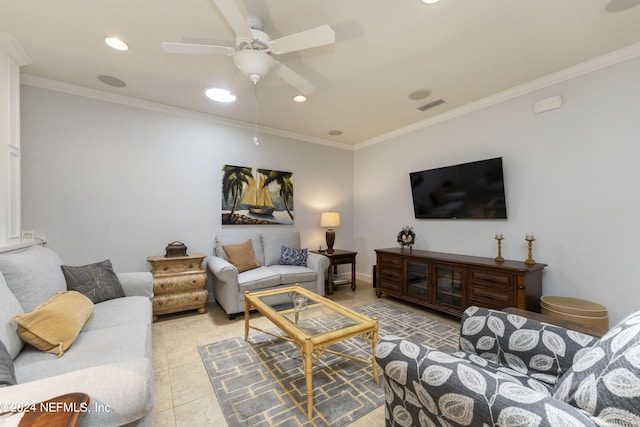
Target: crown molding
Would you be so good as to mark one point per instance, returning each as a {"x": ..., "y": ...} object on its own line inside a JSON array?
[
  {"x": 113, "y": 98},
  {"x": 590, "y": 66},
  {"x": 13, "y": 48},
  {"x": 595, "y": 64}
]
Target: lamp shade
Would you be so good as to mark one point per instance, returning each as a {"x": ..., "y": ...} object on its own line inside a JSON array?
[{"x": 330, "y": 219}]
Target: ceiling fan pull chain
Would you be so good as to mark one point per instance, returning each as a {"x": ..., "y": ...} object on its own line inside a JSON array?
[{"x": 255, "y": 123}]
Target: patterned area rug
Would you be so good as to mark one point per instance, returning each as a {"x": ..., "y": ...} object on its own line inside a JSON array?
[{"x": 261, "y": 383}]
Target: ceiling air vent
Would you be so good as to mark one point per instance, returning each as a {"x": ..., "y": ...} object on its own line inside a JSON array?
[{"x": 431, "y": 104}]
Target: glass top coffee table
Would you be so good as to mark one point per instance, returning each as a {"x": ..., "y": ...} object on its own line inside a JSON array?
[{"x": 312, "y": 341}]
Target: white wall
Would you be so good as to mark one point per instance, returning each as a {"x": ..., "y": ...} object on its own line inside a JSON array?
[
  {"x": 571, "y": 178},
  {"x": 102, "y": 180}
]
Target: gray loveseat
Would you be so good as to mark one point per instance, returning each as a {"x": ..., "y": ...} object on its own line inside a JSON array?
[
  {"x": 229, "y": 286},
  {"x": 110, "y": 360},
  {"x": 511, "y": 370}
]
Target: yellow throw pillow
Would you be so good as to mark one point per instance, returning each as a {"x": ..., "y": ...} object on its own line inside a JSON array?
[
  {"x": 54, "y": 325},
  {"x": 242, "y": 256}
]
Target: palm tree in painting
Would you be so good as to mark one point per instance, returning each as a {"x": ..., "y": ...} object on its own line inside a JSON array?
[
  {"x": 286, "y": 186},
  {"x": 233, "y": 179}
]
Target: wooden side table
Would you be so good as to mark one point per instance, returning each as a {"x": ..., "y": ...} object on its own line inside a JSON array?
[
  {"x": 178, "y": 284},
  {"x": 339, "y": 256}
]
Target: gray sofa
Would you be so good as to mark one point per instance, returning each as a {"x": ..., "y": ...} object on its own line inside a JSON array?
[
  {"x": 511, "y": 370},
  {"x": 110, "y": 360},
  {"x": 229, "y": 286}
]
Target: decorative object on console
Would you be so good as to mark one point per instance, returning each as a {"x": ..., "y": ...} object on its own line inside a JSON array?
[
  {"x": 499, "y": 237},
  {"x": 330, "y": 219},
  {"x": 253, "y": 196},
  {"x": 406, "y": 236},
  {"x": 530, "y": 239},
  {"x": 175, "y": 249}
]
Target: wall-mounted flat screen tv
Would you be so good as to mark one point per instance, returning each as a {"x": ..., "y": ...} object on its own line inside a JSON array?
[{"x": 472, "y": 190}]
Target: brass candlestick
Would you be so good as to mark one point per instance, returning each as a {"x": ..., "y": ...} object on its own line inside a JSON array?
[
  {"x": 499, "y": 257},
  {"x": 529, "y": 260}
]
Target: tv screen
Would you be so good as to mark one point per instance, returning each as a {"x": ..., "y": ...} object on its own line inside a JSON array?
[{"x": 472, "y": 190}]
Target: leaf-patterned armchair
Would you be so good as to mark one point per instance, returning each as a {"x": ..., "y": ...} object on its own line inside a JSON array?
[{"x": 514, "y": 371}]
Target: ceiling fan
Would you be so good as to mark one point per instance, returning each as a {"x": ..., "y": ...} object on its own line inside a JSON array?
[{"x": 254, "y": 50}]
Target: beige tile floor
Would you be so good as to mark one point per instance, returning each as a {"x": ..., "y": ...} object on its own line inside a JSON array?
[{"x": 183, "y": 392}]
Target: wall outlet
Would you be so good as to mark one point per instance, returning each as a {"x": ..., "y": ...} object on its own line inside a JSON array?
[{"x": 27, "y": 236}]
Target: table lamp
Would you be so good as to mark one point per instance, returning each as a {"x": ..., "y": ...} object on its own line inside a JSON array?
[{"x": 330, "y": 219}]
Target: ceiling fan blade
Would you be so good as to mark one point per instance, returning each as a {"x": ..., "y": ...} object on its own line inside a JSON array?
[
  {"x": 304, "y": 40},
  {"x": 294, "y": 79},
  {"x": 236, "y": 15},
  {"x": 197, "y": 49}
]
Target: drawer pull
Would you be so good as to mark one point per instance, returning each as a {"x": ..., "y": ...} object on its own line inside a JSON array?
[
  {"x": 190, "y": 265},
  {"x": 165, "y": 268}
]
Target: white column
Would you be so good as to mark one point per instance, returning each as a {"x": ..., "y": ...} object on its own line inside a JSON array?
[{"x": 12, "y": 57}]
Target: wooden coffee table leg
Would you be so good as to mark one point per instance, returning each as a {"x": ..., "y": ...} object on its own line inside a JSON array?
[
  {"x": 373, "y": 353},
  {"x": 308, "y": 375},
  {"x": 247, "y": 309}
]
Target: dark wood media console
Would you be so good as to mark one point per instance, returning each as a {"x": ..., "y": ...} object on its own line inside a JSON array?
[{"x": 451, "y": 283}]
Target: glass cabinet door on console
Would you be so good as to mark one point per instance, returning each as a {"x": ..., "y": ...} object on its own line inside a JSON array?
[
  {"x": 448, "y": 285},
  {"x": 417, "y": 279}
]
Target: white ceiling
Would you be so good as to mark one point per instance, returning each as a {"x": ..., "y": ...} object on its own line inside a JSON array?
[{"x": 461, "y": 50}]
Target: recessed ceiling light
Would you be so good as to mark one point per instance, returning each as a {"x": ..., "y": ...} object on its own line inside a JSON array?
[
  {"x": 116, "y": 43},
  {"x": 111, "y": 81},
  {"x": 300, "y": 98},
  {"x": 219, "y": 95},
  {"x": 335, "y": 132},
  {"x": 430, "y": 1}
]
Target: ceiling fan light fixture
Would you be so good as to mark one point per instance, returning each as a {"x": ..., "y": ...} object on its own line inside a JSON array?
[
  {"x": 116, "y": 43},
  {"x": 219, "y": 95},
  {"x": 254, "y": 64}
]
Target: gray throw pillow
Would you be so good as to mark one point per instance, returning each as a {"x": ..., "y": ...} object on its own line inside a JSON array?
[
  {"x": 7, "y": 374},
  {"x": 97, "y": 281},
  {"x": 293, "y": 256}
]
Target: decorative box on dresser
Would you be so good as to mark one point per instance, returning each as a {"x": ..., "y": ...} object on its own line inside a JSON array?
[
  {"x": 178, "y": 284},
  {"x": 451, "y": 283}
]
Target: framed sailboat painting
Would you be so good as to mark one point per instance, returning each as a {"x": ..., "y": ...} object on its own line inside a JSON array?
[{"x": 256, "y": 196}]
